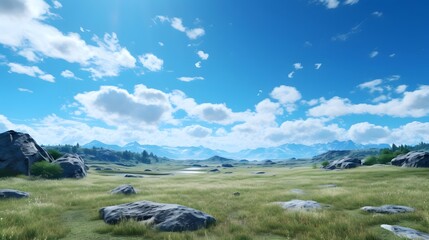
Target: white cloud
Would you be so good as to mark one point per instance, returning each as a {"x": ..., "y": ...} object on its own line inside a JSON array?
[
  {"x": 365, "y": 132},
  {"x": 203, "y": 55},
  {"x": 198, "y": 64},
  {"x": 33, "y": 38},
  {"x": 189, "y": 79},
  {"x": 351, "y": 2},
  {"x": 177, "y": 23},
  {"x": 25, "y": 90},
  {"x": 380, "y": 98},
  {"x": 330, "y": 4},
  {"x": 151, "y": 62},
  {"x": 401, "y": 88},
  {"x": 393, "y": 78},
  {"x": 290, "y": 75},
  {"x": 198, "y": 131},
  {"x": 317, "y": 66},
  {"x": 161, "y": 44},
  {"x": 117, "y": 106},
  {"x": 32, "y": 71},
  {"x": 47, "y": 77},
  {"x": 57, "y": 4},
  {"x": 412, "y": 104},
  {"x": 377, "y": 14},
  {"x": 69, "y": 74},
  {"x": 372, "y": 86},
  {"x": 287, "y": 96},
  {"x": 298, "y": 66},
  {"x": 392, "y": 55},
  {"x": 373, "y": 54}
]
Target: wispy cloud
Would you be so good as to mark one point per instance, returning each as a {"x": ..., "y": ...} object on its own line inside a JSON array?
[
  {"x": 347, "y": 35},
  {"x": 290, "y": 75},
  {"x": 69, "y": 74},
  {"x": 377, "y": 14},
  {"x": 298, "y": 66},
  {"x": 330, "y": 4},
  {"x": 317, "y": 66},
  {"x": 177, "y": 23},
  {"x": 373, "y": 54},
  {"x": 25, "y": 90},
  {"x": 57, "y": 4},
  {"x": 189, "y": 79},
  {"x": 161, "y": 44},
  {"x": 372, "y": 86},
  {"x": 393, "y": 78},
  {"x": 351, "y": 2},
  {"x": 401, "y": 88},
  {"x": 392, "y": 55}
]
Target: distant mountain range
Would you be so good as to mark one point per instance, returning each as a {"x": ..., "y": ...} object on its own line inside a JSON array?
[{"x": 285, "y": 151}]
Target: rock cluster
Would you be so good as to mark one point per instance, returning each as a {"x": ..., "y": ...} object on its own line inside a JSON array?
[
  {"x": 124, "y": 189},
  {"x": 344, "y": 163},
  {"x": 412, "y": 159}
]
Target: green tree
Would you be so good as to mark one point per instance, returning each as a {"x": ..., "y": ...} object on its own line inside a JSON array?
[
  {"x": 55, "y": 153},
  {"x": 325, "y": 163}
]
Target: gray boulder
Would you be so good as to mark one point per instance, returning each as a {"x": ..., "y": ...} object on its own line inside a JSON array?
[
  {"x": 124, "y": 189},
  {"x": 259, "y": 172},
  {"x": 227, "y": 165},
  {"x": 344, "y": 163},
  {"x": 412, "y": 159},
  {"x": 10, "y": 193},
  {"x": 18, "y": 151},
  {"x": 300, "y": 205},
  {"x": 162, "y": 216},
  {"x": 214, "y": 170},
  {"x": 73, "y": 166},
  {"x": 404, "y": 232},
  {"x": 388, "y": 209}
]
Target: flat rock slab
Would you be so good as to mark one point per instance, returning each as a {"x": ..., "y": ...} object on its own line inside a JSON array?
[
  {"x": 163, "y": 216},
  {"x": 11, "y": 193},
  {"x": 124, "y": 189},
  {"x": 259, "y": 172},
  {"x": 300, "y": 205},
  {"x": 404, "y": 232},
  {"x": 388, "y": 209}
]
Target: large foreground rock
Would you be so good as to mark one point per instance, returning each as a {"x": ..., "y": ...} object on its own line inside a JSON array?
[
  {"x": 300, "y": 205},
  {"x": 124, "y": 189},
  {"x": 388, "y": 209},
  {"x": 412, "y": 159},
  {"x": 344, "y": 163},
  {"x": 164, "y": 217},
  {"x": 73, "y": 166},
  {"x": 18, "y": 151},
  {"x": 404, "y": 232},
  {"x": 10, "y": 193}
]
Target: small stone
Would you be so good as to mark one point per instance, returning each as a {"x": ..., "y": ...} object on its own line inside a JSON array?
[
  {"x": 404, "y": 232},
  {"x": 236, "y": 194},
  {"x": 133, "y": 176},
  {"x": 388, "y": 209},
  {"x": 11, "y": 193},
  {"x": 300, "y": 205},
  {"x": 124, "y": 189}
]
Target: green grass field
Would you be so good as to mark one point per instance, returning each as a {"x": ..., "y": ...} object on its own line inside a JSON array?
[{"x": 68, "y": 209}]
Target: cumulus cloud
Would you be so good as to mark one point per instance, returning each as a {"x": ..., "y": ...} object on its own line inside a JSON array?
[
  {"x": 117, "y": 106},
  {"x": 33, "y": 38},
  {"x": 365, "y": 132},
  {"x": 203, "y": 55},
  {"x": 372, "y": 86},
  {"x": 287, "y": 96},
  {"x": 69, "y": 74},
  {"x": 412, "y": 104},
  {"x": 401, "y": 88},
  {"x": 198, "y": 131},
  {"x": 32, "y": 71},
  {"x": 151, "y": 62},
  {"x": 373, "y": 54},
  {"x": 189, "y": 79},
  {"x": 177, "y": 23}
]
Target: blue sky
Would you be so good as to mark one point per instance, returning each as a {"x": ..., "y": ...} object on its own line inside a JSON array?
[{"x": 222, "y": 74}]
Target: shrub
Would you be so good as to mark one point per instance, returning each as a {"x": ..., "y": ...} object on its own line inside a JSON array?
[
  {"x": 371, "y": 160},
  {"x": 325, "y": 163},
  {"x": 55, "y": 154},
  {"x": 46, "y": 170}
]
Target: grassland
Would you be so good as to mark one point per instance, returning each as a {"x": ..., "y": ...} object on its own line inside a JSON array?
[{"x": 68, "y": 209}]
